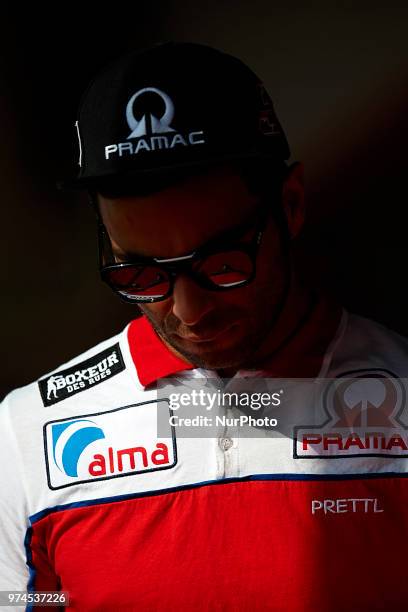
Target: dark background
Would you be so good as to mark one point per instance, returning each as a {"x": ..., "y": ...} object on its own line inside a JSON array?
[{"x": 337, "y": 75}]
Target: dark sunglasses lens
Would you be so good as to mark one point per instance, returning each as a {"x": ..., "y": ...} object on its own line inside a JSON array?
[
  {"x": 228, "y": 269},
  {"x": 139, "y": 282}
]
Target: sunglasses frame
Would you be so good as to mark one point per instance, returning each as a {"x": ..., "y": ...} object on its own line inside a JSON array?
[{"x": 183, "y": 265}]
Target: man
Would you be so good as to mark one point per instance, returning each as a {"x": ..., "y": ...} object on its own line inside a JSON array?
[{"x": 104, "y": 494}]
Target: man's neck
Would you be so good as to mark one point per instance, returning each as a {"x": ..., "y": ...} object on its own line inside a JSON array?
[{"x": 298, "y": 305}]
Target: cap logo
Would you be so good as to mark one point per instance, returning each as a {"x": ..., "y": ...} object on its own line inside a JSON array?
[
  {"x": 268, "y": 124},
  {"x": 159, "y": 125},
  {"x": 152, "y": 131}
]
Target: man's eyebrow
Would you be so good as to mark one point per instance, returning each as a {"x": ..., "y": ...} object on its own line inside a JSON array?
[{"x": 228, "y": 235}]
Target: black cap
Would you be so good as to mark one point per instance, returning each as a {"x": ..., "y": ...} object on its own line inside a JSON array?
[{"x": 173, "y": 106}]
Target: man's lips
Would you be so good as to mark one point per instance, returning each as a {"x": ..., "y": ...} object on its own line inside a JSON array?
[{"x": 205, "y": 336}]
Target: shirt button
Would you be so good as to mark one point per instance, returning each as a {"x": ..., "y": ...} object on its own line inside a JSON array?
[{"x": 226, "y": 443}]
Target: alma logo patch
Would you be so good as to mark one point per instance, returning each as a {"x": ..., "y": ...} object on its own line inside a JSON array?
[
  {"x": 93, "y": 371},
  {"x": 120, "y": 442},
  {"x": 365, "y": 417}
]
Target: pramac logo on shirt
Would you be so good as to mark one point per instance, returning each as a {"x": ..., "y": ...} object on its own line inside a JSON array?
[
  {"x": 366, "y": 416},
  {"x": 119, "y": 442},
  {"x": 82, "y": 376},
  {"x": 151, "y": 130}
]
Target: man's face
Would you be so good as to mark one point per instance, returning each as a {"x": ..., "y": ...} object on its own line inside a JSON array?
[{"x": 211, "y": 329}]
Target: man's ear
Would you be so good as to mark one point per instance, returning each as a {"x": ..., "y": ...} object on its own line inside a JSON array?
[{"x": 293, "y": 198}]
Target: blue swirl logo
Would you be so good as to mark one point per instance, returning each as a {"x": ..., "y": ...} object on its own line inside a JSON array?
[{"x": 69, "y": 441}]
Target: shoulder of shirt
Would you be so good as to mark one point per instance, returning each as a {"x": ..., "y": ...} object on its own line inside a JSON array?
[
  {"x": 366, "y": 344},
  {"x": 30, "y": 391}
]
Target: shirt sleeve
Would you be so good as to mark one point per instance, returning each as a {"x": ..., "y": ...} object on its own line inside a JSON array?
[{"x": 14, "y": 571}]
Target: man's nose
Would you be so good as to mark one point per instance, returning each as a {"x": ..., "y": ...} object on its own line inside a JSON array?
[{"x": 190, "y": 302}]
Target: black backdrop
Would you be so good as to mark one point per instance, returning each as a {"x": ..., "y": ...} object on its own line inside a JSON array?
[{"x": 338, "y": 79}]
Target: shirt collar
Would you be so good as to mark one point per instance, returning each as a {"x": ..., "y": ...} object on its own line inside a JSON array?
[{"x": 152, "y": 358}]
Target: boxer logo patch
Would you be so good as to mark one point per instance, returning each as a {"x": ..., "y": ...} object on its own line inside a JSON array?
[
  {"x": 89, "y": 373},
  {"x": 365, "y": 416},
  {"x": 101, "y": 446}
]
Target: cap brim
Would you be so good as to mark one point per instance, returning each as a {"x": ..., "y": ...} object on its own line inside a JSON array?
[{"x": 95, "y": 183}]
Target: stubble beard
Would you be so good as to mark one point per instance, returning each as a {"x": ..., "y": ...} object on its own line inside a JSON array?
[{"x": 261, "y": 321}]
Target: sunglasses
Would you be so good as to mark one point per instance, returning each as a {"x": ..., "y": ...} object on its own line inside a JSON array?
[{"x": 220, "y": 265}]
